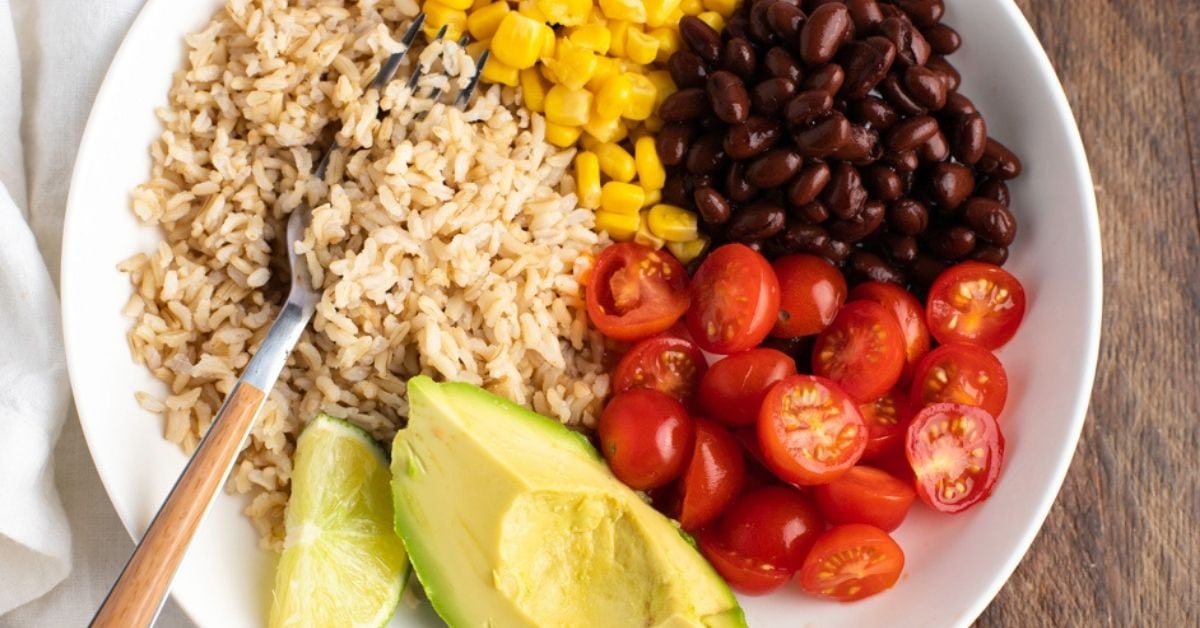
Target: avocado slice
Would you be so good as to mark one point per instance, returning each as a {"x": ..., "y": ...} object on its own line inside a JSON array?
[{"x": 511, "y": 519}]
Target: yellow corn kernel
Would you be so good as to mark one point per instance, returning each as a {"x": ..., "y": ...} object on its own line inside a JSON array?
[
  {"x": 644, "y": 236},
  {"x": 640, "y": 48},
  {"x": 533, "y": 89},
  {"x": 438, "y": 15},
  {"x": 594, "y": 37},
  {"x": 476, "y": 47},
  {"x": 650, "y": 170},
  {"x": 629, "y": 10},
  {"x": 606, "y": 68},
  {"x": 713, "y": 19},
  {"x": 641, "y": 102},
  {"x": 565, "y": 12},
  {"x": 688, "y": 251},
  {"x": 663, "y": 86},
  {"x": 529, "y": 8},
  {"x": 658, "y": 11},
  {"x": 653, "y": 124},
  {"x": 668, "y": 42},
  {"x": 619, "y": 227},
  {"x": 619, "y": 28},
  {"x": 691, "y": 7},
  {"x": 671, "y": 223},
  {"x": 653, "y": 197},
  {"x": 605, "y": 129},
  {"x": 622, "y": 198},
  {"x": 479, "y": 4},
  {"x": 517, "y": 41},
  {"x": 568, "y": 107},
  {"x": 482, "y": 23},
  {"x": 587, "y": 179},
  {"x": 724, "y": 7},
  {"x": 548, "y": 43},
  {"x": 496, "y": 71},
  {"x": 562, "y": 136},
  {"x": 616, "y": 162},
  {"x": 614, "y": 97},
  {"x": 573, "y": 65},
  {"x": 674, "y": 17},
  {"x": 588, "y": 142},
  {"x": 458, "y": 5}
]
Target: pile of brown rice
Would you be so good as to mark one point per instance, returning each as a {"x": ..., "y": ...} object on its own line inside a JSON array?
[{"x": 447, "y": 244}]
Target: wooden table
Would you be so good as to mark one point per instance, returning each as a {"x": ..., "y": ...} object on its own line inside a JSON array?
[{"x": 1122, "y": 546}]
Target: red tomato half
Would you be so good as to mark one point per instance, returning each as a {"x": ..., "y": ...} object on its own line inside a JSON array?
[
  {"x": 809, "y": 430},
  {"x": 811, "y": 290},
  {"x": 961, "y": 373},
  {"x": 977, "y": 303},
  {"x": 886, "y": 418},
  {"x": 956, "y": 452},
  {"x": 744, "y": 574},
  {"x": 669, "y": 365},
  {"x": 865, "y": 495},
  {"x": 851, "y": 562},
  {"x": 714, "y": 476},
  {"x": 909, "y": 314},
  {"x": 646, "y": 437},
  {"x": 863, "y": 350},
  {"x": 635, "y": 292},
  {"x": 733, "y": 388},
  {"x": 773, "y": 524},
  {"x": 735, "y": 300}
]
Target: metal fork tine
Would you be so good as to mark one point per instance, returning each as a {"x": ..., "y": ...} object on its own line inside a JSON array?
[
  {"x": 465, "y": 95},
  {"x": 418, "y": 71},
  {"x": 393, "y": 62}
]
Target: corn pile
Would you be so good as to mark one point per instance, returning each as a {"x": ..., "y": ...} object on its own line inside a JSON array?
[{"x": 594, "y": 70}]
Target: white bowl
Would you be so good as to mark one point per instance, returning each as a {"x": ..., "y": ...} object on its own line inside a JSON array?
[{"x": 955, "y": 564}]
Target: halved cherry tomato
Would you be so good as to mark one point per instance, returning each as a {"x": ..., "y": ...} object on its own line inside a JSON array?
[
  {"x": 886, "y": 418},
  {"x": 733, "y": 388},
  {"x": 851, "y": 562},
  {"x": 773, "y": 524},
  {"x": 810, "y": 430},
  {"x": 865, "y": 495},
  {"x": 714, "y": 476},
  {"x": 811, "y": 290},
  {"x": 895, "y": 462},
  {"x": 646, "y": 437},
  {"x": 909, "y": 314},
  {"x": 960, "y": 373},
  {"x": 975, "y": 302},
  {"x": 863, "y": 351},
  {"x": 745, "y": 574},
  {"x": 956, "y": 452},
  {"x": 669, "y": 365},
  {"x": 735, "y": 300},
  {"x": 635, "y": 292}
]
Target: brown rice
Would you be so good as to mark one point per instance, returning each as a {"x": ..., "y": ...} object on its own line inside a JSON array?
[{"x": 449, "y": 245}]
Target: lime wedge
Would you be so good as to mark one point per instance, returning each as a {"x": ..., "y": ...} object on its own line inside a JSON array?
[{"x": 342, "y": 563}]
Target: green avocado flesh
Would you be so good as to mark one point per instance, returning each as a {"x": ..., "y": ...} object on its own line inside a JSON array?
[{"x": 511, "y": 519}]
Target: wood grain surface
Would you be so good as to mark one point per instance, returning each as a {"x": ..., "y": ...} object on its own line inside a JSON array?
[{"x": 1121, "y": 546}]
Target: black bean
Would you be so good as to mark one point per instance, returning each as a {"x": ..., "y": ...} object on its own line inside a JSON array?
[
  {"x": 807, "y": 185},
  {"x": 706, "y": 154},
  {"x": 827, "y": 78},
  {"x": 685, "y": 104},
  {"x": 785, "y": 19},
  {"x": 675, "y": 191},
  {"x": 991, "y": 221},
  {"x": 996, "y": 190},
  {"x": 823, "y": 33},
  {"x": 836, "y": 251},
  {"x": 845, "y": 195},
  {"x": 738, "y": 57},
  {"x": 813, "y": 213},
  {"x": 999, "y": 162},
  {"x": 673, "y": 141},
  {"x": 908, "y": 216},
  {"x": 901, "y": 248},
  {"x": 950, "y": 184},
  {"x": 952, "y": 243},
  {"x": 911, "y": 47},
  {"x": 865, "y": 63},
  {"x": 774, "y": 168},
  {"x": 728, "y": 97},
  {"x": 700, "y": 38},
  {"x": 769, "y": 96},
  {"x": 687, "y": 69},
  {"x": 756, "y": 222},
  {"x": 824, "y": 136},
  {"x": 808, "y": 106},
  {"x": 862, "y": 148},
  {"x": 923, "y": 12},
  {"x": 874, "y": 112},
  {"x": 958, "y": 105},
  {"x": 943, "y": 39},
  {"x": 800, "y": 238},
  {"x": 947, "y": 70},
  {"x": 865, "y": 14},
  {"x": 713, "y": 208},
  {"x": 991, "y": 254},
  {"x": 861, "y": 226},
  {"x": 779, "y": 62},
  {"x": 892, "y": 89},
  {"x": 926, "y": 87},
  {"x": 911, "y": 133},
  {"x": 737, "y": 187},
  {"x": 882, "y": 182},
  {"x": 968, "y": 138},
  {"x": 934, "y": 149}
]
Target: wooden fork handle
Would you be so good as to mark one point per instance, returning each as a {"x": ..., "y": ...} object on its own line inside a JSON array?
[{"x": 135, "y": 599}]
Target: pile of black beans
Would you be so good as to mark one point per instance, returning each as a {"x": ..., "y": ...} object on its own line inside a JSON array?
[{"x": 835, "y": 128}]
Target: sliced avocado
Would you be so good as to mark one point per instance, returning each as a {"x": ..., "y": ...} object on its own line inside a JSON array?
[{"x": 511, "y": 519}]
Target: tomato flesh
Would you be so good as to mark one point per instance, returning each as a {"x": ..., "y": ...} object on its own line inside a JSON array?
[
  {"x": 646, "y": 438},
  {"x": 976, "y": 303},
  {"x": 733, "y": 388},
  {"x": 956, "y": 452},
  {"x": 809, "y": 430},
  {"x": 811, "y": 292},
  {"x": 886, "y": 418},
  {"x": 744, "y": 574},
  {"x": 734, "y": 300},
  {"x": 713, "y": 478},
  {"x": 772, "y": 524},
  {"x": 863, "y": 351},
  {"x": 865, "y": 495},
  {"x": 635, "y": 292},
  {"x": 909, "y": 315},
  {"x": 851, "y": 562},
  {"x": 673, "y": 366},
  {"x": 961, "y": 373}
]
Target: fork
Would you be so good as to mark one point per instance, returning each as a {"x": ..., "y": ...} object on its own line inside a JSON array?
[{"x": 138, "y": 594}]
